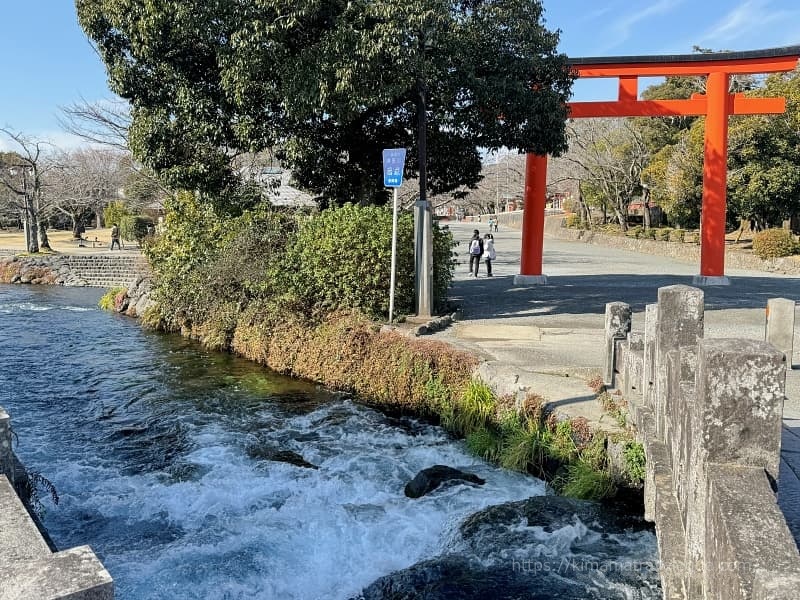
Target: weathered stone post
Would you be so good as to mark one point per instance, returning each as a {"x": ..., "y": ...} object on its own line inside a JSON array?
[
  {"x": 736, "y": 423},
  {"x": 649, "y": 374},
  {"x": 780, "y": 326},
  {"x": 6, "y": 456},
  {"x": 680, "y": 324},
  {"x": 618, "y": 324}
]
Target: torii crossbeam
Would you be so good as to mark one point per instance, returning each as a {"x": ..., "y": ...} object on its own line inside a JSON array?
[{"x": 717, "y": 104}]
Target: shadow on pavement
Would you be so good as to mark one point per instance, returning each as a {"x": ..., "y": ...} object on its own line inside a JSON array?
[{"x": 497, "y": 297}]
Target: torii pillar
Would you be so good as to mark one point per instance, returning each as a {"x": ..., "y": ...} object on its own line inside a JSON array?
[{"x": 717, "y": 104}]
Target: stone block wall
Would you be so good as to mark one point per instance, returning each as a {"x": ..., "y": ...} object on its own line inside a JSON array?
[
  {"x": 708, "y": 413},
  {"x": 28, "y": 569}
]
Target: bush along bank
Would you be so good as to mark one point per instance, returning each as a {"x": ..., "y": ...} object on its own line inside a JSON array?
[{"x": 300, "y": 295}]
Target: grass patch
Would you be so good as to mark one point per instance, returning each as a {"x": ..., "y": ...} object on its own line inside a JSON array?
[
  {"x": 584, "y": 482},
  {"x": 109, "y": 300}
]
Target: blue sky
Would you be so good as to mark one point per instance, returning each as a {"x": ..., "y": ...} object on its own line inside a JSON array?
[{"x": 48, "y": 62}]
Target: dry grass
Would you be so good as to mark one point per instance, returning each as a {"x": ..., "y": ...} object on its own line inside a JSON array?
[{"x": 60, "y": 241}]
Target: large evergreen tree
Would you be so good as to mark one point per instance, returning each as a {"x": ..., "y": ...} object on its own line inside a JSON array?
[{"x": 331, "y": 83}]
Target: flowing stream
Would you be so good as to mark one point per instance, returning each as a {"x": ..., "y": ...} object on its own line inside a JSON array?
[{"x": 194, "y": 474}]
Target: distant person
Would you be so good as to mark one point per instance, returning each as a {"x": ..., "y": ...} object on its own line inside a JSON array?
[
  {"x": 495, "y": 225},
  {"x": 475, "y": 252},
  {"x": 115, "y": 237},
  {"x": 489, "y": 252}
]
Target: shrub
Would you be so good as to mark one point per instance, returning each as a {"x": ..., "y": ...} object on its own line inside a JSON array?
[
  {"x": 634, "y": 462},
  {"x": 663, "y": 234},
  {"x": 341, "y": 258},
  {"x": 135, "y": 227},
  {"x": 572, "y": 221},
  {"x": 635, "y": 232},
  {"x": 649, "y": 234},
  {"x": 109, "y": 300},
  {"x": 678, "y": 235},
  {"x": 774, "y": 243}
]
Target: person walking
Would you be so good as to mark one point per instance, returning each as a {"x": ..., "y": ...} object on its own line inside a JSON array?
[
  {"x": 115, "y": 237},
  {"x": 475, "y": 252},
  {"x": 489, "y": 252}
]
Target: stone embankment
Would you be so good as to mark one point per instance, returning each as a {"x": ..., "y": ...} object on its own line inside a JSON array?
[
  {"x": 712, "y": 438},
  {"x": 92, "y": 270},
  {"x": 28, "y": 567}
]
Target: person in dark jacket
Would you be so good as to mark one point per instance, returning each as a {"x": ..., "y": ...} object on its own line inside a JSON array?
[{"x": 475, "y": 253}]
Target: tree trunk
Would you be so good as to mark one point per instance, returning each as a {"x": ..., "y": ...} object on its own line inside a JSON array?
[
  {"x": 646, "y": 208},
  {"x": 99, "y": 215},
  {"x": 623, "y": 222},
  {"x": 32, "y": 226},
  {"x": 44, "y": 242}
]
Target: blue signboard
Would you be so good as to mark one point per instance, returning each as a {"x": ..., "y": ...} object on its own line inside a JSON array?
[{"x": 394, "y": 159}]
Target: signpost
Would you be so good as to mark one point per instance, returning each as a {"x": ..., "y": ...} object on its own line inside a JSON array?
[{"x": 394, "y": 160}]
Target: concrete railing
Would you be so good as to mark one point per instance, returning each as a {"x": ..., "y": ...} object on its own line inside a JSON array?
[
  {"x": 709, "y": 414},
  {"x": 28, "y": 568}
]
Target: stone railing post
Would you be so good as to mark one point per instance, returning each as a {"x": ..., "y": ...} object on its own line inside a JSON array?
[
  {"x": 649, "y": 371},
  {"x": 679, "y": 324},
  {"x": 779, "y": 329},
  {"x": 6, "y": 456},
  {"x": 736, "y": 421},
  {"x": 618, "y": 325}
]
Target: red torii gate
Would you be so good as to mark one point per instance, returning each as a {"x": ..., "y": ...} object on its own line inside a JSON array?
[{"x": 717, "y": 104}]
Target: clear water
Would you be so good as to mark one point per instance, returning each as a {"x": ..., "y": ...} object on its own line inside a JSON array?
[{"x": 146, "y": 439}]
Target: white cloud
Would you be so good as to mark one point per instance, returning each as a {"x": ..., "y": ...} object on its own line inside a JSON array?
[
  {"x": 747, "y": 20},
  {"x": 623, "y": 27}
]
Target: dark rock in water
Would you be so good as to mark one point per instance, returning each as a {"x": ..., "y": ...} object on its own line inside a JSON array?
[
  {"x": 132, "y": 430},
  {"x": 552, "y": 513},
  {"x": 431, "y": 478},
  {"x": 262, "y": 452},
  {"x": 546, "y": 547},
  {"x": 458, "y": 578}
]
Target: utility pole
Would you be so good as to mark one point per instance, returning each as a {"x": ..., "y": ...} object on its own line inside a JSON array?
[{"x": 423, "y": 219}]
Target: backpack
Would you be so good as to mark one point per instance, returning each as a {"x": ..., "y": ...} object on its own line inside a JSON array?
[{"x": 475, "y": 247}]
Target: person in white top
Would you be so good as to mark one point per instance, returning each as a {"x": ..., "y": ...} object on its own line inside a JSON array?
[{"x": 489, "y": 252}]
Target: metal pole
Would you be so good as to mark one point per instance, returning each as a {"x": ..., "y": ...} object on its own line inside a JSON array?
[{"x": 394, "y": 258}]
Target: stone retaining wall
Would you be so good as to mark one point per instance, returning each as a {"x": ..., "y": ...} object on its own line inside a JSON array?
[
  {"x": 709, "y": 414},
  {"x": 93, "y": 270},
  {"x": 28, "y": 568}
]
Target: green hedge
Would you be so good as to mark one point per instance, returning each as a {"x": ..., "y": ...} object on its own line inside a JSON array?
[{"x": 341, "y": 258}]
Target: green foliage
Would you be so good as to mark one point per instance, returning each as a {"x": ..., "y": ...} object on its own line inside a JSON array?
[
  {"x": 207, "y": 80},
  {"x": 475, "y": 409},
  {"x": 342, "y": 258},
  {"x": 649, "y": 234},
  {"x": 634, "y": 462},
  {"x": 584, "y": 482},
  {"x": 135, "y": 227},
  {"x": 774, "y": 243},
  {"x": 109, "y": 300},
  {"x": 663, "y": 234},
  {"x": 635, "y": 232},
  {"x": 523, "y": 446},
  {"x": 678, "y": 235},
  {"x": 572, "y": 221},
  {"x": 486, "y": 443},
  {"x": 562, "y": 445},
  {"x": 115, "y": 212}
]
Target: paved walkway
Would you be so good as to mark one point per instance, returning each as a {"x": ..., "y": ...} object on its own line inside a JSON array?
[{"x": 552, "y": 336}]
